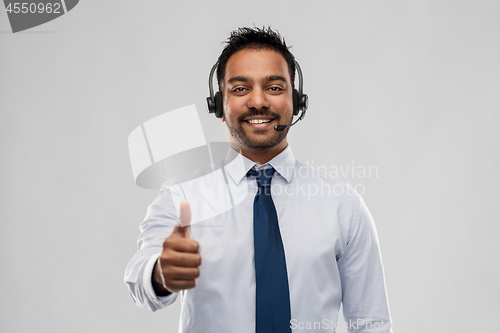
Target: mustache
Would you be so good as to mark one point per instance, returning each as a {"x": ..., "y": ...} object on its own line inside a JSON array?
[{"x": 261, "y": 112}]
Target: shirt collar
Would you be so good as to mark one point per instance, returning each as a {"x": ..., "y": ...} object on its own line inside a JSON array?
[{"x": 238, "y": 165}]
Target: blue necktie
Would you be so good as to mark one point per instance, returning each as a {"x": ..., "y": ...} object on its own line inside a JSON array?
[{"x": 273, "y": 313}]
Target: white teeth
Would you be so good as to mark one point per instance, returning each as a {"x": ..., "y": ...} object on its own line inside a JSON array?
[{"x": 258, "y": 121}]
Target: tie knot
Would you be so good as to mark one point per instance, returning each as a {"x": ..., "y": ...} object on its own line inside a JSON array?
[{"x": 263, "y": 176}]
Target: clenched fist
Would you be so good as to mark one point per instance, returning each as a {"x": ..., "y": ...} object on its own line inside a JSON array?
[{"x": 177, "y": 266}]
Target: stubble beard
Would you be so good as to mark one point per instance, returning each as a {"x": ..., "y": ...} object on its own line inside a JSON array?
[{"x": 264, "y": 141}]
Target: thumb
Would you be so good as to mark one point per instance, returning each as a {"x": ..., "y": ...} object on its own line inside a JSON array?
[
  {"x": 185, "y": 213},
  {"x": 182, "y": 228},
  {"x": 182, "y": 231}
]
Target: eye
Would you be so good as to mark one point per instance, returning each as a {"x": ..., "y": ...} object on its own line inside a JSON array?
[
  {"x": 239, "y": 90},
  {"x": 275, "y": 89}
]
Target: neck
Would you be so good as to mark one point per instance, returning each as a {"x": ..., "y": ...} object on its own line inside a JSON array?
[{"x": 260, "y": 156}]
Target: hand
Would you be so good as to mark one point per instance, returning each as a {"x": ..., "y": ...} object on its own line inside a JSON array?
[{"x": 177, "y": 267}]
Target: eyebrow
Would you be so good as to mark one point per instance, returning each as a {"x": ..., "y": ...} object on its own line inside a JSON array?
[
  {"x": 276, "y": 78},
  {"x": 267, "y": 79},
  {"x": 237, "y": 79}
]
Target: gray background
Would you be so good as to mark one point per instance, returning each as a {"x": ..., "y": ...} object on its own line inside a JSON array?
[{"x": 411, "y": 87}]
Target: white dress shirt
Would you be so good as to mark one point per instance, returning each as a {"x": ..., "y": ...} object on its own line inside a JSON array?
[{"x": 330, "y": 242}]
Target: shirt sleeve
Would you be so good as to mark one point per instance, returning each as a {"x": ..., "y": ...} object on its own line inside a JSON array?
[
  {"x": 159, "y": 222},
  {"x": 364, "y": 296}
]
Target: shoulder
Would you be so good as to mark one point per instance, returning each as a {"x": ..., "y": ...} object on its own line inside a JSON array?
[
  {"x": 326, "y": 184},
  {"x": 331, "y": 194},
  {"x": 335, "y": 205}
]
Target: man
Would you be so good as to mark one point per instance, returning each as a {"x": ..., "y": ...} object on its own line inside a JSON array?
[{"x": 284, "y": 258}]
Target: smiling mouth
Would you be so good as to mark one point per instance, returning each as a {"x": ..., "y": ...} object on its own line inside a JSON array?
[{"x": 258, "y": 121}]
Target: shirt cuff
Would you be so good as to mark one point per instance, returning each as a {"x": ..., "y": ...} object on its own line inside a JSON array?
[{"x": 159, "y": 301}]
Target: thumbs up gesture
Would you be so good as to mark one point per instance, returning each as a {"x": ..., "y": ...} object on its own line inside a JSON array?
[{"x": 177, "y": 267}]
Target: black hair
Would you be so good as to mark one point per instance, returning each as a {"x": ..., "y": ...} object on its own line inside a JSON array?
[{"x": 254, "y": 38}]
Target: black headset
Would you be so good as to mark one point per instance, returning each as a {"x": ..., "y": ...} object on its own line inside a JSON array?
[{"x": 300, "y": 100}]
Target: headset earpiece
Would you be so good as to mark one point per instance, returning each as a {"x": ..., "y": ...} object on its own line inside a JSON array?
[
  {"x": 218, "y": 104},
  {"x": 296, "y": 98},
  {"x": 303, "y": 103},
  {"x": 214, "y": 102},
  {"x": 210, "y": 105}
]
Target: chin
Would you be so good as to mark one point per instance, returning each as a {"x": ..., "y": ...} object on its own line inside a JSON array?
[
  {"x": 262, "y": 144},
  {"x": 257, "y": 140}
]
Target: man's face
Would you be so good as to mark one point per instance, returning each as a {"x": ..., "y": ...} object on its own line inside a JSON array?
[{"x": 257, "y": 95}]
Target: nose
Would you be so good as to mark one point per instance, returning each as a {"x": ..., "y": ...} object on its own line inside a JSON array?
[{"x": 257, "y": 99}]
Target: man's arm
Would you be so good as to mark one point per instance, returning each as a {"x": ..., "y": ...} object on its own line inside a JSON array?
[
  {"x": 160, "y": 222},
  {"x": 364, "y": 296},
  {"x": 177, "y": 267}
]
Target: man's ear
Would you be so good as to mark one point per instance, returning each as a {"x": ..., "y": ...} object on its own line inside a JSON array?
[{"x": 222, "y": 119}]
